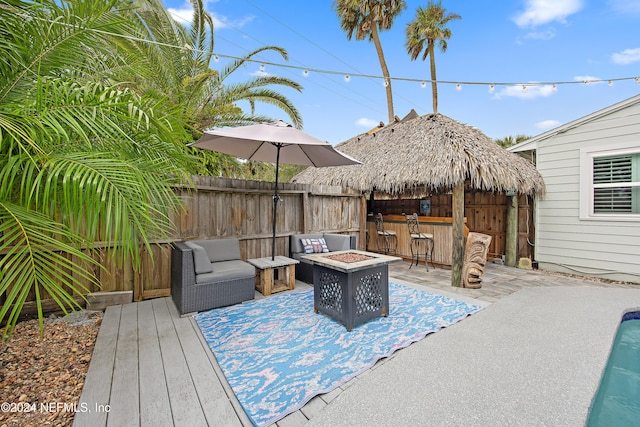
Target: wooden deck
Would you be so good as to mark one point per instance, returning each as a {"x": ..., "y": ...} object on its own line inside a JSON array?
[{"x": 152, "y": 367}]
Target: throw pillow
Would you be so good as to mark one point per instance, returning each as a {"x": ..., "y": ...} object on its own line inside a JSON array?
[{"x": 314, "y": 246}]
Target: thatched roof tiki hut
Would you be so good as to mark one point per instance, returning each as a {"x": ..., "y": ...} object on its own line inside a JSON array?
[{"x": 436, "y": 153}]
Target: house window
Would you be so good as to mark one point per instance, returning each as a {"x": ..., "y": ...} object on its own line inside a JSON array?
[{"x": 616, "y": 184}]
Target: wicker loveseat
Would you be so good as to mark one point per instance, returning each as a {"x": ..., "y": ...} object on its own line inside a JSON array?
[
  {"x": 208, "y": 274},
  {"x": 335, "y": 242}
]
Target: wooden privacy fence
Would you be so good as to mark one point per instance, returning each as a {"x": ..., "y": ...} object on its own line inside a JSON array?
[{"x": 223, "y": 207}]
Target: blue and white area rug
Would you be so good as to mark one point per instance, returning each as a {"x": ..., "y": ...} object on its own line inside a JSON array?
[{"x": 277, "y": 353}]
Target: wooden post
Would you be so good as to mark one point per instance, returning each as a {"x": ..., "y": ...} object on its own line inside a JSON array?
[
  {"x": 512, "y": 231},
  {"x": 362, "y": 239},
  {"x": 457, "y": 244}
]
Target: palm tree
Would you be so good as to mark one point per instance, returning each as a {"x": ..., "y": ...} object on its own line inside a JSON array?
[
  {"x": 184, "y": 76},
  {"x": 508, "y": 141},
  {"x": 365, "y": 19},
  {"x": 178, "y": 65},
  {"x": 83, "y": 160},
  {"x": 429, "y": 27}
]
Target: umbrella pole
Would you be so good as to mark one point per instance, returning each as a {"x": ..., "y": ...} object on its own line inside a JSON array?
[{"x": 275, "y": 204}]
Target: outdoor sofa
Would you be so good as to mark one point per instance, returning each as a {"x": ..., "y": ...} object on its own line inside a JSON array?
[
  {"x": 208, "y": 274},
  {"x": 334, "y": 242}
]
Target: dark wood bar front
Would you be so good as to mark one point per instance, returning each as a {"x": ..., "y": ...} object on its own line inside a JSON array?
[{"x": 440, "y": 227}]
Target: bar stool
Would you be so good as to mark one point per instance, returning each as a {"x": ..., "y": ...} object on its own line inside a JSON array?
[
  {"x": 417, "y": 239},
  {"x": 386, "y": 236}
]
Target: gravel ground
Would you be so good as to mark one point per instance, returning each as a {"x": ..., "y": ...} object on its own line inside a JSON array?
[{"x": 41, "y": 378}]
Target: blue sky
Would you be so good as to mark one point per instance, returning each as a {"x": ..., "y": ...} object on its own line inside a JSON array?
[{"x": 502, "y": 41}]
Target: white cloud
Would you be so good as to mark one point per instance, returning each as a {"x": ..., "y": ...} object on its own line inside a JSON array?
[
  {"x": 532, "y": 91},
  {"x": 625, "y": 6},
  {"x": 220, "y": 21},
  {"x": 539, "y": 12},
  {"x": 367, "y": 123},
  {"x": 184, "y": 15},
  {"x": 547, "y": 124},
  {"x": 627, "y": 56},
  {"x": 547, "y": 34}
]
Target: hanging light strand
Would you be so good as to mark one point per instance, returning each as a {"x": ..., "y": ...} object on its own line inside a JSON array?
[
  {"x": 423, "y": 82},
  {"x": 347, "y": 76}
]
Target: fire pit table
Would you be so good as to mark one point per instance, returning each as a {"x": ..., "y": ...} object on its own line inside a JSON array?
[{"x": 352, "y": 286}]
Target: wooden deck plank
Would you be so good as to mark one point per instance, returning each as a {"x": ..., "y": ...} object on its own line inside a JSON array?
[
  {"x": 155, "y": 409},
  {"x": 124, "y": 402},
  {"x": 244, "y": 418},
  {"x": 215, "y": 403},
  {"x": 97, "y": 383},
  {"x": 183, "y": 398}
]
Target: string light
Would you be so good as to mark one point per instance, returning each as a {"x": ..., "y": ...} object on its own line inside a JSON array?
[
  {"x": 347, "y": 78},
  {"x": 386, "y": 82},
  {"x": 217, "y": 56},
  {"x": 305, "y": 73},
  {"x": 492, "y": 88},
  {"x": 524, "y": 88},
  {"x": 423, "y": 84},
  {"x": 262, "y": 68}
]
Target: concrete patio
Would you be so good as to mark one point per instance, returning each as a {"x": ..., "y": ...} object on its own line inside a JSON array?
[{"x": 534, "y": 356}]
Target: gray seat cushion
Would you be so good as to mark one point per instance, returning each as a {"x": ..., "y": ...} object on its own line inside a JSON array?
[{"x": 227, "y": 270}]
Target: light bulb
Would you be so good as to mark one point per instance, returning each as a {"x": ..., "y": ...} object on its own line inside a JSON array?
[
  {"x": 458, "y": 86},
  {"x": 262, "y": 68},
  {"x": 216, "y": 58},
  {"x": 347, "y": 78},
  {"x": 554, "y": 88},
  {"x": 305, "y": 73},
  {"x": 637, "y": 79},
  {"x": 492, "y": 88},
  {"x": 524, "y": 89},
  {"x": 423, "y": 84},
  {"x": 610, "y": 83},
  {"x": 386, "y": 82}
]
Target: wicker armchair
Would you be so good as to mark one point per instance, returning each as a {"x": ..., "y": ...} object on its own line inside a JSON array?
[{"x": 208, "y": 274}]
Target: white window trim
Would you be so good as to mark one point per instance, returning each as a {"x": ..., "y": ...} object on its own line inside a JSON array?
[{"x": 586, "y": 179}]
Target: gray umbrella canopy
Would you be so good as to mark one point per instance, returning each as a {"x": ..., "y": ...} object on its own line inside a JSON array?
[
  {"x": 274, "y": 142},
  {"x": 431, "y": 151},
  {"x": 264, "y": 141}
]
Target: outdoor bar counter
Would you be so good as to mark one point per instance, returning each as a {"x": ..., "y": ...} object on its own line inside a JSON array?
[{"x": 440, "y": 227}]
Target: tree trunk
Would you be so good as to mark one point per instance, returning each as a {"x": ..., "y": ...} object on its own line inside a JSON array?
[
  {"x": 432, "y": 65},
  {"x": 512, "y": 231},
  {"x": 457, "y": 247},
  {"x": 385, "y": 70}
]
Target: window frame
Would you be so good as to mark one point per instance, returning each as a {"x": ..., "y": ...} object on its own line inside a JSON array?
[{"x": 586, "y": 180}]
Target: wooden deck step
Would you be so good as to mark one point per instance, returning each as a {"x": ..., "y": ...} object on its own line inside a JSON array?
[{"x": 152, "y": 367}]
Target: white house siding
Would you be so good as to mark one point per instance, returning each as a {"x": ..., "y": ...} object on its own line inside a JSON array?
[{"x": 564, "y": 242}]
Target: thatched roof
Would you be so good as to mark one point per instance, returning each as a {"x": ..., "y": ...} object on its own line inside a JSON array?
[{"x": 431, "y": 151}]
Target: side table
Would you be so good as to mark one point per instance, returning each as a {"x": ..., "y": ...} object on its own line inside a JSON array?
[{"x": 266, "y": 282}]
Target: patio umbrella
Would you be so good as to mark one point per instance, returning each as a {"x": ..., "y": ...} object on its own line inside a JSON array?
[{"x": 274, "y": 142}]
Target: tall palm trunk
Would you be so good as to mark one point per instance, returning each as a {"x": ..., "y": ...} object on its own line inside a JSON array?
[
  {"x": 434, "y": 85},
  {"x": 385, "y": 71}
]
